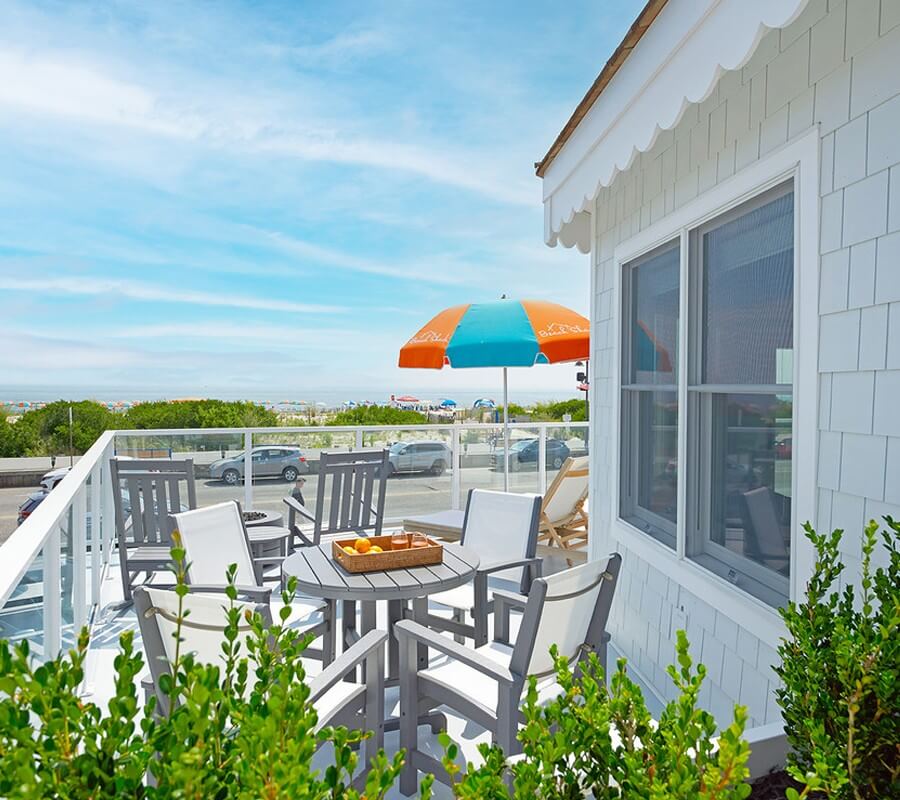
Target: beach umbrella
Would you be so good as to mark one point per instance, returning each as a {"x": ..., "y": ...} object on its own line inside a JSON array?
[
  {"x": 503, "y": 333},
  {"x": 447, "y": 403},
  {"x": 483, "y": 402}
]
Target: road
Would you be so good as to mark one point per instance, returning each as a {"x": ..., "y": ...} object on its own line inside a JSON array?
[{"x": 406, "y": 494}]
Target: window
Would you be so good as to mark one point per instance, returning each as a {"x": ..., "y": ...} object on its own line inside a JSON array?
[
  {"x": 737, "y": 314},
  {"x": 740, "y": 393},
  {"x": 649, "y": 394}
]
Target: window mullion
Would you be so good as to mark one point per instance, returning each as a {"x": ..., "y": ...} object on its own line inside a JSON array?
[{"x": 682, "y": 381}]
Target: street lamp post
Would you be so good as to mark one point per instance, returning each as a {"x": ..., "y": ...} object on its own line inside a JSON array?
[{"x": 584, "y": 385}]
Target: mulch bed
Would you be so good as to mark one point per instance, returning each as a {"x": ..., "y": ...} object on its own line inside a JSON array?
[{"x": 773, "y": 786}]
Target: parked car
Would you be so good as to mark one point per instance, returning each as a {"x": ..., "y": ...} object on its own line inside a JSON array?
[
  {"x": 52, "y": 478},
  {"x": 29, "y": 504},
  {"x": 433, "y": 457},
  {"x": 526, "y": 451},
  {"x": 268, "y": 462}
]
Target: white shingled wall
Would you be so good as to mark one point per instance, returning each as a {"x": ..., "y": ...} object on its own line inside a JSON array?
[{"x": 839, "y": 69}]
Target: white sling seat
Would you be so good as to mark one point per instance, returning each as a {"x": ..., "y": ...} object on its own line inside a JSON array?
[
  {"x": 485, "y": 685},
  {"x": 337, "y": 702},
  {"x": 501, "y": 527},
  {"x": 214, "y": 537}
]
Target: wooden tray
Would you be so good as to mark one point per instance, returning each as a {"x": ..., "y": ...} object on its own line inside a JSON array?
[{"x": 389, "y": 559}]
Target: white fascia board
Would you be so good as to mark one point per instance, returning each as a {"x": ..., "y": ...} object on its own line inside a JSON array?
[{"x": 677, "y": 62}]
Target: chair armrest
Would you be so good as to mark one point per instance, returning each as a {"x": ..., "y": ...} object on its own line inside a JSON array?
[
  {"x": 504, "y": 603},
  {"x": 298, "y": 508},
  {"x": 497, "y": 566},
  {"x": 511, "y": 600},
  {"x": 407, "y": 629},
  {"x": 346, "y": 663},
  {"x": 258, "y": 594}
]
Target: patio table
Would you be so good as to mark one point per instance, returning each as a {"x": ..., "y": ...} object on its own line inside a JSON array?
[{"x": 319, "y": 575}]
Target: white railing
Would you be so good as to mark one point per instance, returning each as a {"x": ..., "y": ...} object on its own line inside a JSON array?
[{"x": 52, "y": 566}]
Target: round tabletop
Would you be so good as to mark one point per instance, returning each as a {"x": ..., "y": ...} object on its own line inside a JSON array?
[
  {"x": 319, "y": 575},
  {"x": 266, "y": 533}
]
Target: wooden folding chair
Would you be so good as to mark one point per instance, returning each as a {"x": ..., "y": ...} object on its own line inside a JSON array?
[{"x": 563, "y": 521}]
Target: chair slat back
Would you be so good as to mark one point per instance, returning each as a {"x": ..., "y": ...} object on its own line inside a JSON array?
[
  {"x": 569, "y": 609},
  {"x": 201, "y": 631},
  {"x": 502, "y": 526},
  {"x": 348, "y": 484},
  {"x": 153, "y": 490},
  {"x": 765, "y": 539},
  {"x": 569, "y": 487},
  {"x": 215, "y": 537}
]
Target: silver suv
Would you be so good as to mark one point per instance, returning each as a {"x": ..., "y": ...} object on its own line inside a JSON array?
[
  {"x": 433, "y": 457},
  {"x": 268, "y": 462}
]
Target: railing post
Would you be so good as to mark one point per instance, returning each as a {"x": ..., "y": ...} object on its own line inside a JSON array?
[
  {"x": 95, "y": 534},
  {"x": 455, "y": 477},
  {"x": 52, "y": 595},
  {"x": 79, "y": 560},
  {"x": 248, "y": 469},
  {"x": 542, "y": 459},
  {"x": 359, "y": 439},
  {"x": 108, "y": 511}
]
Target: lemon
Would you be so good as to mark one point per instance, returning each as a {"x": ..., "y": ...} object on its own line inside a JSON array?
[
  {"x": 350, "y": 551},
  {"x": 375, "y": 549}
]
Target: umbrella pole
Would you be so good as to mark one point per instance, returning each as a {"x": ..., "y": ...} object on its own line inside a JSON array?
[{"x": 505, "y": 432}]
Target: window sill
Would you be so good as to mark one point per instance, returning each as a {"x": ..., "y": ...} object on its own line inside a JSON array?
[{"x": 750, "y": 613}]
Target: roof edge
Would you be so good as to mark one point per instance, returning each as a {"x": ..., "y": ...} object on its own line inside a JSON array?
[{"x": 629, "y": 42}]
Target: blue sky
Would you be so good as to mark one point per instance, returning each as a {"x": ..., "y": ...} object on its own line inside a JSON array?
[{"x": 212, "y": 198}]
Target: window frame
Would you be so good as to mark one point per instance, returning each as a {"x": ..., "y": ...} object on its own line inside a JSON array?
[
  {"x": 798, "y": 160},
  {"x": 699, "y": 412},
  {"x": 655, "y": 525}
]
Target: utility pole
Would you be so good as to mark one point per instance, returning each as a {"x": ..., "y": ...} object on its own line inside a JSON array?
[{"x": 71, "y": 448}]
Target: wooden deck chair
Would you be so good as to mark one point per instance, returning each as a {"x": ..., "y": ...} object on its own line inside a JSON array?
[
  {"x": 215, "y": 537},
  {"x": 501, "y": 527},
  {"x": 486, "y": 684},
  {"x": 337, "y": 702},
  {"x": 564, "y": 522},
  {"x": 145, "y": 492},
  {"x": 349, "y": 498}
]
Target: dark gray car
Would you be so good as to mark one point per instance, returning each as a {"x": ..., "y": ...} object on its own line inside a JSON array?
[
  {"x": 268, "y": 462},
  {"x": 433, "y": 457}
]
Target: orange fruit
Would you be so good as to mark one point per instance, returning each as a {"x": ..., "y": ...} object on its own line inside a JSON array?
[
  {"x": 362, "y": 545},
  {"x": 375, "y": 549},
  {"x": 350, "y": 551}
]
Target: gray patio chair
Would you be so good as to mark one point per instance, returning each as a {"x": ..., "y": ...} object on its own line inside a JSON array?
[
  {"x": 486, "y": 684},
  {"x": 214, "y": 537},
  {"x": 337, "y": 702},
  {"x": 502, "y": 528},
  {"x": 145, "y": 492},
  {"x": 353, "y": 483},
  {"x": 765, "y": 536}
]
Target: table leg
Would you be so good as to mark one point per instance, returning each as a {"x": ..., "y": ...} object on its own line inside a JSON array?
[
  {"x": 395, "y": 614},
  {"x": 420, "y": 615},
  {"x": 349, "y": 634},
  {"x": 367, "y": 624}
]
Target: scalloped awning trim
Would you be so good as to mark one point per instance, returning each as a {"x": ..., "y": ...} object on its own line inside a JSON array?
[{"x": 676, "y": 62}]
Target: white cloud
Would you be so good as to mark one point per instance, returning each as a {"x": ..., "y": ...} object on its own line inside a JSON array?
[
  {"x": 49, "y": 84},
  {"x": 134, "y": 290}
]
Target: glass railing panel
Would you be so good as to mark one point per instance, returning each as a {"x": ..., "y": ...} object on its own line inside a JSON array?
[
  {"x": 563, "y": 441},
  {"x": 482, "y": 457},
  {"x": 218, "y": 460},
  {"x": 22, "y": 616},
  {"x": 420, "y": 466}
]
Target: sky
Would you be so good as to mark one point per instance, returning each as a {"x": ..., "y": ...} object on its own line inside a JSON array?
[{"x": 272, "y": 197}]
